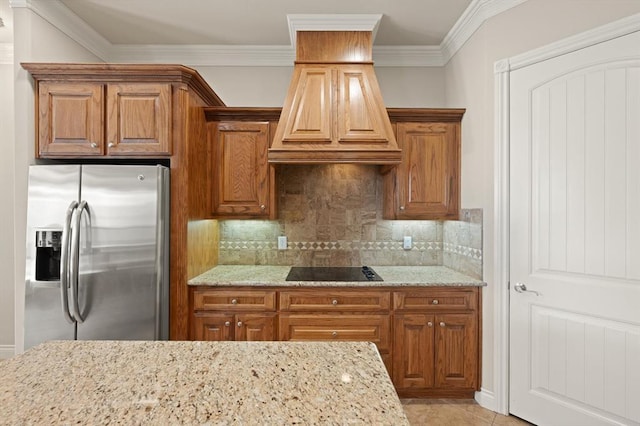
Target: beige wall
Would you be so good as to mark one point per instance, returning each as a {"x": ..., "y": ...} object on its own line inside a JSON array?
[
  {"x": 6, "y": 210},
  {"x": 35, "y": 40},
  {"x": 470, "y": 84}
]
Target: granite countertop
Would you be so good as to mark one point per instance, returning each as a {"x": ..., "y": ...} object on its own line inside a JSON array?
[
  {"x": 133, "y": 382},
  {"x": 255, "y": 275}
]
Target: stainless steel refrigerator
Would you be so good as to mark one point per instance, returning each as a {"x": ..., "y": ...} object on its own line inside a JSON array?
[{"x": 97, "y": 253}]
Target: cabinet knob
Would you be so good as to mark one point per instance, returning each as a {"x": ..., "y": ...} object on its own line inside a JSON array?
[
  {"x": 239, "y": 323},
  {"x": 434, "y": 302},
  {"x": 334, "y": 334},
  {"x": 401, "y": 207},
  {"x": 234, "y": 302},
  {"x": 111, "y": 145},
  {"x": 227, "y": 323},
  {"x": 334, "y": 302},
  {"x": 442, "y": 324},
  {"x": 430, "y": 324},
  {"x": 94, "y": 145},
  {"x": 263, "y": 207}
]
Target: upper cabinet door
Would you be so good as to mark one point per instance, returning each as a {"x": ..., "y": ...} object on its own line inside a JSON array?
[
  {"x": 241, "y": 175},
  {"x": 427, "y": 178},
  {"x": 70, "y": 119},
  {"x": 138, "y": 119}
]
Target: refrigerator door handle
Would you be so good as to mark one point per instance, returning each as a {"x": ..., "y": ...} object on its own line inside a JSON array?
[
  {"x": 75, "y": 260},
  {"x": 64, "y": 261}
]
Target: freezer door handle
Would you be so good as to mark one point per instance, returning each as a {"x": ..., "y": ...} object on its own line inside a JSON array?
[
  {"x": 64, "y": 261},
  {"x": 75, "y": 259}
]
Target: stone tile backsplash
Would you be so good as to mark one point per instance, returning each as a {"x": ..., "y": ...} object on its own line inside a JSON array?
[{"x": 332, "y": 216}]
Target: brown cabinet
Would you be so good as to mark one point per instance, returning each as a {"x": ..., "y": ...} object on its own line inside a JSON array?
[
  {"x": 426, "y": 184},
  {"x": 436, "y": 342},
  {"x": 242, "y": 183},
  {"x": 95, "y": 119},
  {"x": 428, "y": 337},
  {"x": 242, "y": 180},
  {"x": 238, "y": 327},
  {"x": 234, "y": 315}
]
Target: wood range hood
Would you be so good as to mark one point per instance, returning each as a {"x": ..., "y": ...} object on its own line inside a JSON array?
[{"x": 334, "y": 112}]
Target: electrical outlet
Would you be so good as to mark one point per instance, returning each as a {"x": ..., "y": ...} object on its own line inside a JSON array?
[
  {"x": 282, "y": 242},
  {"x": 406, "y": 243}
]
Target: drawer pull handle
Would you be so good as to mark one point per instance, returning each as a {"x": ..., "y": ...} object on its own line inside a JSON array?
[
  {"x": 234, "y": 302},
  {"x": 430, "y": 324},
  {"x": 434, "y": 302},
  {"x": 334, "y": 334},
  {"x": 334, "y": 302},
  {"x": 94, "y": 145},
  {"x": 239, "y": 323},
  {"x": 227, "y": 323},
  {"x": 442, "y": 324}
]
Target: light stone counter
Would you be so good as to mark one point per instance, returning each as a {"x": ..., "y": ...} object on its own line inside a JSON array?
[
  {"x": 167, "y": 383},
  {"x": 254, "y": 275}
]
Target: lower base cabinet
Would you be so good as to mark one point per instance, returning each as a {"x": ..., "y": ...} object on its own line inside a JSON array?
[
  {"x": 238, "y": 327},
  {"x": 428, "y": 337}
]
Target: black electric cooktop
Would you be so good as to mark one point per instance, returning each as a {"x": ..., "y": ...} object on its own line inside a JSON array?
[{"x": 333, "y": 273}]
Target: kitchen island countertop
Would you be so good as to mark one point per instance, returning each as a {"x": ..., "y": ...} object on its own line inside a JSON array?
[
  {"x": 135, "y": 382},
  {"x": 393, "y": 276}
]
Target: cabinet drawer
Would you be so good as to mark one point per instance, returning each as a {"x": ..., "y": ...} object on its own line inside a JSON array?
[
  {"x": 234, "y": 300},
  {"x": 360, "y": 328},
  {"x": 436, "y": 299},
  {"x": 333, "y": 301}
]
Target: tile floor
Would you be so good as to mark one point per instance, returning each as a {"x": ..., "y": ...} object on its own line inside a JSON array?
[{"x": 454, "y": 412}]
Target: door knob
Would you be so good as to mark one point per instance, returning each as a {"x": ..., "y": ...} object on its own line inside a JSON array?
[{"x": 521, "y": 288}]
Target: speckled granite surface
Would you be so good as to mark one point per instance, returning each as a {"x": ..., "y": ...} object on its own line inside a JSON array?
[
  {"x": 167, "y": 383},
  {"x": 254, "y": 275}
]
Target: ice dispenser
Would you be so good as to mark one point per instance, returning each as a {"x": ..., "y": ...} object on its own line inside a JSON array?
[{"x": 48, "y": 250}]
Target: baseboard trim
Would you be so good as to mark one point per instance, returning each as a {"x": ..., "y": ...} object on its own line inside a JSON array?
[
  {"x": 7, "y": 351},
  {"x": 487, "y": 400}
]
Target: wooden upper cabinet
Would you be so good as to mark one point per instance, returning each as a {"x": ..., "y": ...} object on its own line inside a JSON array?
[
  {"x": 426, "y": 184},
  {"x": 138, "y": 119},
  {"x": 242, "y": 179},
  {"x": 92, "y": 119},
  {"x": 70, "y": 119}
]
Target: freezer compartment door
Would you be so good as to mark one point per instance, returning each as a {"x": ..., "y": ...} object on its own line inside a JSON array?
[
  {"x": 52, "y": 189},
  {"x": 121, "y": 253}
]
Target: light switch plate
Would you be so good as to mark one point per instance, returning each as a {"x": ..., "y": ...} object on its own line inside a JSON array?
[
  {"x": 406, "y": 243},
  {"x": 282, "y": 242}
]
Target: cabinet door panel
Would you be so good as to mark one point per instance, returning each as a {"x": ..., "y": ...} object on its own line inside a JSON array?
[
  {"x": 71, "y": 119},
  {"x": 213, "y": 327},
  {"x": 139, "y": 119},
  {"x": 413, "y": 351},
  {"x": 240, "y": 169},
  {"x": 255, "y": 327},
  {"x": 428, "y": 173},
  {"x": 456, "y": 340}
]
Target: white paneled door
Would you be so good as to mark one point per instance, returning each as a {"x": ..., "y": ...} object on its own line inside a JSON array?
[{"x": 575, "y": 237}]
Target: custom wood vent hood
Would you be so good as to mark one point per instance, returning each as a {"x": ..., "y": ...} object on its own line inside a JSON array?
[{"x": 333, "y": 112}]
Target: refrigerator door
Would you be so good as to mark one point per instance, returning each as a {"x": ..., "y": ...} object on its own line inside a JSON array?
[
  {"x": 122, "y": 256},
  {"x": 52, "y": 189}
]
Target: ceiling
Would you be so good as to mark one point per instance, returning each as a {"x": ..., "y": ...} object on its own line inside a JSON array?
[
  {"x": 252, "y": 22},
  {"x": 258, "y": 22}
]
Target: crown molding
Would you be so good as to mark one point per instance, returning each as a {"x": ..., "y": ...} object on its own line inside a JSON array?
[
  {"x": 62, "y": 18},
  {"x": 58, "y": 15},
  {"x": 473, "y": 17},
  {"x": 332, "y": 22},
  {"x": 6, "y": 53}
]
